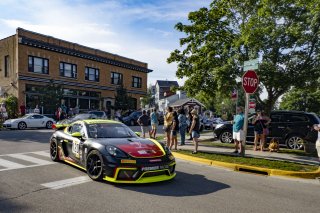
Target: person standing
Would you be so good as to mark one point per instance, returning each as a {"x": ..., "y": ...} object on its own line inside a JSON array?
[
  {"x": 3, "y": 112},
  {"x": 22, "y": 109},
  {"x": 238, "y": 134},
  {"x": 260, "y": 123},
  {"x": 168, "y": 118},
  {"x": 143, "y": 121},
  {"x": 154, "y": 123},
  {"x": 174, "y": 130},
  {"x": 36, "y": 110},
  {"x": 317, "y": 128},
  {"x": 182, "y": 125},
  {"x": 195, "y": 129},
  {"x": 190, "y": 120}
]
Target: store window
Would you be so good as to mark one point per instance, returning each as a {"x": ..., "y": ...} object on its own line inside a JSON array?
[
  {"x": 136, "y": 82},
  {"x": 68, "y": 70},
  {"x": 38, "y": 65},
  {"x": 92, "y": 74}
]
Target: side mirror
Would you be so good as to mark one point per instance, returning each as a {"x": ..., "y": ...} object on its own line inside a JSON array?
[
  {"x": 76, "y": 135},
  {"x": 138, "y": 134}
]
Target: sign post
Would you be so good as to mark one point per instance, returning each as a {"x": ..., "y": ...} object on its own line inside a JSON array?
[{"x": 250, "y": 83}]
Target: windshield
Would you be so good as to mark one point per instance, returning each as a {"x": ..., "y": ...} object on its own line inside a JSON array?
[{"x": 109, "y": 130}]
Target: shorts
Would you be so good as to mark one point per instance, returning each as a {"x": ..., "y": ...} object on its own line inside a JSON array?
[
  {"x": 144, "y": 129},
  {"x": 318, "y": 147},
  {"x": 195, "y": 134},
  {"x": 167, "y": 128},
  {"x": 260, "y": 132},
  {"x": 154, "y": 126},
  {"x": 238, "y": 135},
  {"x": 173, "y": 133}
]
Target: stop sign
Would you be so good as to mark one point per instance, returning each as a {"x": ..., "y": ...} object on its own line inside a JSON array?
[{"x": 250, "y": 81}]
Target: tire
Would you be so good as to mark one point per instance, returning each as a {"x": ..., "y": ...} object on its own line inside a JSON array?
[
  {"x": 49, "y": 125},
  {"x": 54, "y": 155},
  {"x": 22, "y": 125},
  {"x": 226, "y": 137},
  {"x": 294, "y": 142},
  {"x": 132, "y": 123},
  {"x": 94, "y": 165}
]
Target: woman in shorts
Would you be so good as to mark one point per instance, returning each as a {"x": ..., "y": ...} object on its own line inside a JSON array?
[{"x": 174, "y": 131}]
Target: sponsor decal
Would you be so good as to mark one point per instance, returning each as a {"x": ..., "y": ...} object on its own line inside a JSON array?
[
  {"x": 145, "y": 152},
  {"x": 155, "y": 160},
  {"x": 152, "y": 168},
  {"x": 128, "y": 161}
]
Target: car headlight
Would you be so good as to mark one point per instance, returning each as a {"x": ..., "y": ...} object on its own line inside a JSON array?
[
  {"x": 114, "y": 151},
  {"x": 219, "y": 126}
]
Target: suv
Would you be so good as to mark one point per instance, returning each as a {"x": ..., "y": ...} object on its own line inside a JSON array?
[
  {"x": 289, "y": 127},
  {"x": 132, "y": 119}
]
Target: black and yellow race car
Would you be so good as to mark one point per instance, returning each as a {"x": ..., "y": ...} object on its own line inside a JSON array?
[{"x": 111, "y": 151}]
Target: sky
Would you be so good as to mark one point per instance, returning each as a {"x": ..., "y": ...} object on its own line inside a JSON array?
[{"x": 139, "y": 29}]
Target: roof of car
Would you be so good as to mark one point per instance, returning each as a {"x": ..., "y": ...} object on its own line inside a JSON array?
[{"x": 99, "y": 121}]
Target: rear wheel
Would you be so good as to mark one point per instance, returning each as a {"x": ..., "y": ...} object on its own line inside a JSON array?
[
  {"x": 226, "y": 137},
  {"x": 94, "y": 165},
  {"x": 22, "y": 125},
  {"x": 49, "y": 125},
  {"x": 294, "y": 142},
  {"x": 54, "y": 150}
]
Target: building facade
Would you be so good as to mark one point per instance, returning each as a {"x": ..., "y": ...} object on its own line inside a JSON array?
[
  {"x": 89, "y": 77},
  {"x": 163, "y": 89}
]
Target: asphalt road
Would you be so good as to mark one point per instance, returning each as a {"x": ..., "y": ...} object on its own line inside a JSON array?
[{"x": 43, "y": 186}]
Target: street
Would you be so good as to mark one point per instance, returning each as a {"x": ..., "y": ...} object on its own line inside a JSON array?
[{"x": 31, "y": 182}]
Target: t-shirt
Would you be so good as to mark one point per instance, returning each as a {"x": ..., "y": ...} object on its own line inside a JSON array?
[
  {"x": 182, "y": 121},
  {"x": 238, "y": 122},
  {"x": 144, "y": 120},
  {"x": 154, "y": 118},
  {"x": 318, "y": 134},
  {"x": 36, "y": 110},
  {"x": 168, "y": 119}
]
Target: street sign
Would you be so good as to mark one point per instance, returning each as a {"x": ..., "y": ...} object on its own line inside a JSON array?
[
  {"x": 251, "y": 64},
  {"x": 250, "y": 81},
  {"x": 252, "y": 105}
]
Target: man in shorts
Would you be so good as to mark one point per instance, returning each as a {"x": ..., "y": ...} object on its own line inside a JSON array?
[
  {"x": 154, "y": 123},
  {"x": 238, "y": 134},
  {"x": 143, "y": 121}
]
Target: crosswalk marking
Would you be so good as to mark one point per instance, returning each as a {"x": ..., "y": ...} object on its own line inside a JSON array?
[
  {"x": 67, "y": 182},
  {"x": 10, "y": 165}
]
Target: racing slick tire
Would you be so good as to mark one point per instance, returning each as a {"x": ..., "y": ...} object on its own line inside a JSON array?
[
  {"x": 94, "y": 165},
  {"x": 54, "y": 155},
  {"x": 22, "y": 125}
]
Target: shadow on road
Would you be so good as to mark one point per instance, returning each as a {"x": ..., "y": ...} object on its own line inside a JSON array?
[
  {"x": 26, "y": 136},
  {"x": 8, "y": 205},
  {"x": 183, "y": 185}
]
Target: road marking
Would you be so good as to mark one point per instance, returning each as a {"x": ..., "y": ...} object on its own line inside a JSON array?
[
  {"x": 30, "y": 159},
  {"x": 42, "y": 153},
  {"x": 67, "y": 182},
  {"x": 10, "y": 165}
]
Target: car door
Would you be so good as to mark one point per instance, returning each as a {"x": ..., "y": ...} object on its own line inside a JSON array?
[
  {"x": 277, "y": 127},
  {"x": 298, "y": 124},
  {"x": 34, "y": 121},
  {"x": 73, "y": 143},
  {"x": 39, "y": 121}
]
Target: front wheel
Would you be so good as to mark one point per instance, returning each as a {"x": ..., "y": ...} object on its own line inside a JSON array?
[
  {"x": 294, "y": 142},
  {"x": 22, "y": 125},
  {"x": 94, "y": 165},
  {"x": 226, "y": 137},
  {"x": 49, "y": 125},
  {"x": 54, "y": 150}
]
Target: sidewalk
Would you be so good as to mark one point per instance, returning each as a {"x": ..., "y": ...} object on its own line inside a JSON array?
[{"x": 249, "y": 153}]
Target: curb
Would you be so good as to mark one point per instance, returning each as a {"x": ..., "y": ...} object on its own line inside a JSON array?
[{"x": 251, "y": 169}]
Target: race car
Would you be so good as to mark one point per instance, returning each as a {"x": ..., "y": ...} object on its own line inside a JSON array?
[
  {"x": 66, "y": 122},
  {"x": 109, "y": 150}
]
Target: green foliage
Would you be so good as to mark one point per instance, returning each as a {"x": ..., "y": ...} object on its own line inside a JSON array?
[
  {"x": 302, "y": 100},
  {"x": 148, "y": 99},
  {"x": 122, "y": 100},
  {"x": 51, "y": 95},
  {"x": 284, "y": 34},
  {"x": 11, "y": 103}
]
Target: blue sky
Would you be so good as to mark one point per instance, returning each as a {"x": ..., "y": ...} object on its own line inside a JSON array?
[{"x": 138, "y": 29}]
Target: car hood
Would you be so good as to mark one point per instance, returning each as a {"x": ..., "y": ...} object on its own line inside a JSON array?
[
  {"x": 136, "y": 147},
  {"x": 11, "y": 120}
]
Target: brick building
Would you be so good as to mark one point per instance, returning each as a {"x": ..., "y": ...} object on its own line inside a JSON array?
[{"x": 89, "y": 77}]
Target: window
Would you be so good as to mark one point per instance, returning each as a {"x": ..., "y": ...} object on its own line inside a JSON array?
[
  {"x": 92, "y": 74},
  {"x": 68, "y": 70},
  {"x": 136, "y": 82},
  {"x": 38, "y": 65},
  {"x": 276, "y": 118},
  {"x": 6, "y": 66},
  {"x": 116, "y": 78},
  {"x": 296, "y": 118}
]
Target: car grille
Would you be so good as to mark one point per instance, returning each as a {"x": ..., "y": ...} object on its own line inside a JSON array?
[{"x": 156, "y": 173}]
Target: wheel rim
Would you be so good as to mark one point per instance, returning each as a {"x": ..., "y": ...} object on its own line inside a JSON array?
[
  {"x": 94, "y": 166},
  {"x": 226, "y": 137},
  {"x": 295, "y": 143},
  {"x": 49, "y": 125},
  {"x": 22, "y": 125},
  {"x": 53, "y": 150}
]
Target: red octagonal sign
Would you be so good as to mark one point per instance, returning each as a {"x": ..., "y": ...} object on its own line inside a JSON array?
[{"x": 250, "y": 81}]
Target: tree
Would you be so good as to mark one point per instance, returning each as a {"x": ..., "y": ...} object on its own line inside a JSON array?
[
  {"x": 122, "y": 100},
  {"x": 11, "y": 103},
  {"x": 284, "y": 34},
  {"x": 302, "y": 100},
  {"x": 149, "y": 98}
]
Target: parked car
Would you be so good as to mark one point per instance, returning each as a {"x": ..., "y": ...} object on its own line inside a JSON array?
[
  {"x": 131, "y": 120},
  {"x": 289, "y": 127},
  {"x": 99, "y": 114},
  {"x": 211, "y": 123},
  {"x": 66, "y": 122},
  {"x": 31, "y": 120}
]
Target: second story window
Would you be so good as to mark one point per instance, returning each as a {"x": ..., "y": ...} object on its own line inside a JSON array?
[
  {"x": 92, "y": 74},
  {"x": 6, "y": 66},
  {"x": 136, "y": 82},
  {"x": 116, "y": 78},
  {"x": 68, "y": 70},
  {"x": 38, "y": 65}
]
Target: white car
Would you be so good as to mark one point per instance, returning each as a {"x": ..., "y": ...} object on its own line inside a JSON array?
[{"x": 32, "y": 120}]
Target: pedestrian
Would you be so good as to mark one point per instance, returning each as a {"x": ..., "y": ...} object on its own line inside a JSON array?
[
  {"x": 118, "y": 115},
  {"x": 143, "y": 121},
  {"x": 154, "y": 123},
  {"x": 238, "y": 134},
  {"x": 317, "y": 128},
  {"x": 195, "y": 129},
  {"x": 3, "y": 112},
  {"x": 260, "y": 123},
  {"x": 168, "y": 118},
  {"x": 182, "y": 125},
  {"x": 76, "y": 110},
  {"x": 190, "y": 120},
  {"x": 22, "y": 109},
  {"x": 36, "y": 109},
  {"x": 174, "y": 130}
]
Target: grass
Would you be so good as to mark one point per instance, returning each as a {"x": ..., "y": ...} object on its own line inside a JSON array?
[{"x": 263, "y": 163}]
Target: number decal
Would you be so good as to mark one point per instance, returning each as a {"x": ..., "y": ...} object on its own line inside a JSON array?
[{"x": 75, "y": 148}]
